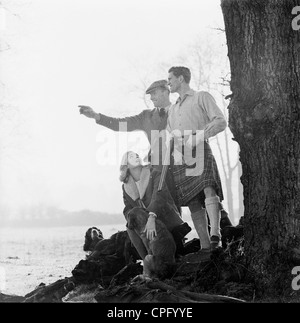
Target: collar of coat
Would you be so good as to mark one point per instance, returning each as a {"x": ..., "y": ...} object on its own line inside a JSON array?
[{"x": 131, "y": 188}]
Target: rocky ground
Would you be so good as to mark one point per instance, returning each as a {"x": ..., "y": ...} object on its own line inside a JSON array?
[
  {"x": 221, "y": 279},
  {"x": 109, "y": 279}
]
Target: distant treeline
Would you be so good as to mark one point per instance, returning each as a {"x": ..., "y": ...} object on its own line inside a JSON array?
[{"x": 52, "y": 217}]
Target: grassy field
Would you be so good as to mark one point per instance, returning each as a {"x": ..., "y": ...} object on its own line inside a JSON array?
[{"x": 31, "y": 256}]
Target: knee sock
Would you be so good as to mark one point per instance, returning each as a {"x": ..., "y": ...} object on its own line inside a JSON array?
[
  {"x": 212, "y": 205},
  {"x": 200, "y": 223}
]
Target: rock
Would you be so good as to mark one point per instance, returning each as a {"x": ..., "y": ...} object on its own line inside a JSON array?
[
  {"x": 52, "y": 293},
  {"x": 83, "y": 293},
  {"x": 126, "y": 273},
  {"x": 11, "y": 298}
]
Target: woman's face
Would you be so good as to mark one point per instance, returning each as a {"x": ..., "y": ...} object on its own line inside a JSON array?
[{"x": 133, "y": 160}]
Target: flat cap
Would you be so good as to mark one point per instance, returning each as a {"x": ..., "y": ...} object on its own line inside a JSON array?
[{"x": 161, "y": 83}]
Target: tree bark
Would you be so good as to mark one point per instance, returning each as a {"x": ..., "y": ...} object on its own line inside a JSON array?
[{"x": 264, "y": 117}]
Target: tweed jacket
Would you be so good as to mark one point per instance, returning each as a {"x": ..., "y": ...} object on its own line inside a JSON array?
[{"x": 146, "y": 121}]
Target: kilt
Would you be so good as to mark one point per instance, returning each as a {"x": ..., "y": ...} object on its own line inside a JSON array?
[{"x": 190, "y": 187}]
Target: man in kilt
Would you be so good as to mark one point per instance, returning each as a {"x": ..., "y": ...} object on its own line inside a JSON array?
[{"x": 193, "y": 119}]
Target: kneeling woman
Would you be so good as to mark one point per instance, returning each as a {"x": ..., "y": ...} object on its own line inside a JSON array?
[{"x": 140, "y": 191}]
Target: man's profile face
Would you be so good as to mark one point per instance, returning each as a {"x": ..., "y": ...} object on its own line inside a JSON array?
[
  {"x": 158, "y": 97},
  {"x": 173, "y": 82}
]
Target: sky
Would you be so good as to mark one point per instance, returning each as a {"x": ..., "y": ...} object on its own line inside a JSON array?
[{"x": 93, "y": 52}]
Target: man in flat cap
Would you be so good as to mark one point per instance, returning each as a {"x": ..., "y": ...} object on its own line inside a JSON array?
[{"x": 151, "y": 122}]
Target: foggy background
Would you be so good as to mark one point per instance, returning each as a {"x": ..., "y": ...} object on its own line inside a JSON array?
[{"x": 58, "y": 167}]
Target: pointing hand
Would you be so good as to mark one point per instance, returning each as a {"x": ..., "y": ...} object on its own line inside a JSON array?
[{"x": 87, "y": 111}]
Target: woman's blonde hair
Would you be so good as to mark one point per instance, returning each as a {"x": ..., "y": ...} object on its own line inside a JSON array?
[{"x": 124, "y": 170}]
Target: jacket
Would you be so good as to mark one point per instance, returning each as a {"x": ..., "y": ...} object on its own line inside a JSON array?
[{"x": 161, "y": 203}]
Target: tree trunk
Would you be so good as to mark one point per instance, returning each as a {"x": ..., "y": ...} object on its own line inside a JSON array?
[{"x": 264, "y": 117}]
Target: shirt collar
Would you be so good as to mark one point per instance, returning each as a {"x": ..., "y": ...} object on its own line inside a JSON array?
[
  {"x": 189, "y": 92},
  {"x": 166, "y": 108}
]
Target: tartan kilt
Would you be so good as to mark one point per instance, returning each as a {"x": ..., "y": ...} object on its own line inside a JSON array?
[{"x": 190, "y": 187}]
